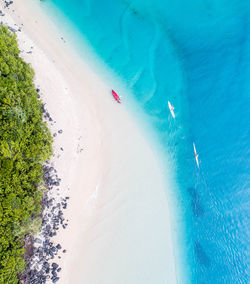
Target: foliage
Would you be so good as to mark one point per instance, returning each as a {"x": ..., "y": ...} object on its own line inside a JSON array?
[{"x": 25, "y": 143}]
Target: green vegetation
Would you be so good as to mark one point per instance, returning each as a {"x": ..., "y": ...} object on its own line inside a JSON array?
[{"x": 25, "y": 143}]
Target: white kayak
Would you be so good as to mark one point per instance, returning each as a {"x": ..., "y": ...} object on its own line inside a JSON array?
[
  {"x": 196, "y": 156},
  {"x": 171, "y": 108}
]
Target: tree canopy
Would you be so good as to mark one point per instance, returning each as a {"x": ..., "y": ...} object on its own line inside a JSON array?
[{"x": 25, "y": 143}]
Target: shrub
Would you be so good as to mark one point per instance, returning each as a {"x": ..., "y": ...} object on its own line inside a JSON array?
[{"x": 25, "y": 143}]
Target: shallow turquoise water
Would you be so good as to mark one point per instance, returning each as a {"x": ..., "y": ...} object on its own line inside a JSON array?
[{"x": 197, "y": 55}]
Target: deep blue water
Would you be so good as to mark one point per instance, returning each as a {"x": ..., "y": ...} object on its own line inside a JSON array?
[{"x": 197, "y": 55}]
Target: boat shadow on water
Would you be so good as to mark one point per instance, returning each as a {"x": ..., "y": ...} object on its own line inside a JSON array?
[
  {"x": 201, "y": 255},
  {"x": 197, "y": 208}
]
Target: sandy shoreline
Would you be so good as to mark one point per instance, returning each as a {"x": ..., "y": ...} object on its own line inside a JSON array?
[{"x": 119, "y": 223}]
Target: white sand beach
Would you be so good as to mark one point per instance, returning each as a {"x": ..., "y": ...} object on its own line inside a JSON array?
[{"x": 119, "y": 229}]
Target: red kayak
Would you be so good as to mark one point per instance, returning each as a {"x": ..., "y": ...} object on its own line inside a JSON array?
[{"x": 117, "y": 98}]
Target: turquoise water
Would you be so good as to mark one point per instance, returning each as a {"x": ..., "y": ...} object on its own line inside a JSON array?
[{"x": 196, "y": 54}]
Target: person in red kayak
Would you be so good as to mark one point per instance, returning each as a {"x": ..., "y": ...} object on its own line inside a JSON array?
[{"x": 117, "y": 98}]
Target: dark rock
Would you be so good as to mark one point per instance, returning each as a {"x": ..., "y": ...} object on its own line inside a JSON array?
[
  {"x": 48, "y": 227},
  {"x": 58, "y": 246},
  {"x": 46, "y": 264},
  {"x": 7, "y": 4},
  {"x": 60, "y": 131},
  {"x": 12, "y": 29},
  {"x": 55, "y": 265},
  {"x": 37, "y": 240},
  {"x": 40, "y": 249}
]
